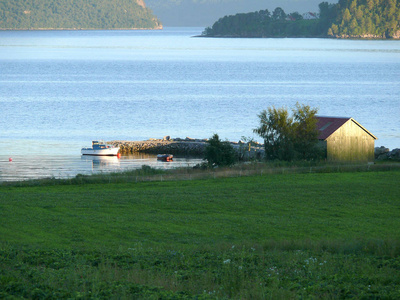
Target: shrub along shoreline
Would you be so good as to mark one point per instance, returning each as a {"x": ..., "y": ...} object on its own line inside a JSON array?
[{"x": 284, "y": 235}]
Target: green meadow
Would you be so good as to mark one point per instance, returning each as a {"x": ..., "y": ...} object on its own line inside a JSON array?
[{"x": 270, "y": 236}]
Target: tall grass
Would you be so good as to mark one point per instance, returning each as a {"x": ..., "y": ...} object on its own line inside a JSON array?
[{"x": 289, "y": 235}]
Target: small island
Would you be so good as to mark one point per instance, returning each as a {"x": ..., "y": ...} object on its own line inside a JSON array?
[
  {"x": 76, "y": 15},
  {"x": 363, "y": 19}
]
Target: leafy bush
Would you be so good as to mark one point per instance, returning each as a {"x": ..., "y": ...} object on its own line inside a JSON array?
[
  {"x": 219, "y": 153},
  {"x": 289, "y": 138}
]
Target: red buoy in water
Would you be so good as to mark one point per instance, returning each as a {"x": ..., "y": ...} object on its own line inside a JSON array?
[
  {"x": 10, "y": 159},
  {"x": 119, "y": 155}
]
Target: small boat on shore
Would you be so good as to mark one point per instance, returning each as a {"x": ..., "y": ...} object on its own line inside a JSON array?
[
  {"x": 165, "y": 157},
  {"x": 100, "y": 148}
]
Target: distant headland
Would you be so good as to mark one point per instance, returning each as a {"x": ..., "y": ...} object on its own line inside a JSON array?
[
  {"x": 76, "y": 15},
  {"x": 347, "y": 19}
]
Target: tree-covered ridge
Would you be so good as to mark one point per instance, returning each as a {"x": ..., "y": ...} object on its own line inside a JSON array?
[
  {"x": 264, "y": 23},
  {"x": 367, "y": 18},
  {"x": 348, "y": 18},
  {"x": 76, "y": 14}
]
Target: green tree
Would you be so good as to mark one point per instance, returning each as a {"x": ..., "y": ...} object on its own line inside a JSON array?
[
  {"x": 278, "y": 14},
  {"x": 369, "y": 26},
  {"x": 276, "y": 130},
  {"x": 359, "y": 14},
  {"x": 289, "y": 137},
  {"x": 219, "y": 153},
  {"x": 305, "y": 131},
  {"x": 296, "y": 16},
  {"x": 353, "y": 26},
  {"x": 353, "y": 6},
  {"x": 370, "y": 4},
  {"x": 335, "y": 29},
  {"x": 327, "y": 15},
  {"x": 346, "y": 15}
]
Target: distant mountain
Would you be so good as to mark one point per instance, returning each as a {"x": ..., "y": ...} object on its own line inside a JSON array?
[
  {"x": 76, "y": 14},
  {"x": 203, "y": 13}
]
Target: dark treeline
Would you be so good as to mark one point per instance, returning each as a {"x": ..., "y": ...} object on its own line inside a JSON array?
[
  {"x": 348, "y": 18},
  {"x": 75, "y": 14}
]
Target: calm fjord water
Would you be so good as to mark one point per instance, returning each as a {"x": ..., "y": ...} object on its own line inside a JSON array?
[{"x": 61, "y": 89}]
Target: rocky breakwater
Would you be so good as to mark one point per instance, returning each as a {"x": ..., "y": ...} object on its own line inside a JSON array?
[
  {"x": 383, "y": 153},
  {"x": 187, "y": 146}
]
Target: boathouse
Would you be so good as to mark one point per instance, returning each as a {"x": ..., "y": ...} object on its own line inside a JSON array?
[{"x": 344, "y": 139}]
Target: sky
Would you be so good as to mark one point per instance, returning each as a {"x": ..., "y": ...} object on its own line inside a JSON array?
[{"x": 204, "y": 13}]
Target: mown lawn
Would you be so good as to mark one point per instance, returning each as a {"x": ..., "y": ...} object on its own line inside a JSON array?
[{"x": 332, "y": 235}]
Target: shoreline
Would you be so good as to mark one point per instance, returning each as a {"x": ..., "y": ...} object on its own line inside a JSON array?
[{"x": 299, "y": 37}]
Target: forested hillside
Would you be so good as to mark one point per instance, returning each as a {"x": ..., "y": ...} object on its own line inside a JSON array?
[
  {"x": 367, "y": 18},
  {"x": 347, "y": 19},
  {"x": 76, "y": 14},
  {"x": 277, "y": 23}
]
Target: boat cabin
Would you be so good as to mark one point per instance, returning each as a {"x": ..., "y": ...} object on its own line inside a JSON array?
[{"x": 100, "y": 145}]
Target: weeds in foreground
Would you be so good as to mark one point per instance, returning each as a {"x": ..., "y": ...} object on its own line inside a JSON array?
[{"x": 360, "y": 269}]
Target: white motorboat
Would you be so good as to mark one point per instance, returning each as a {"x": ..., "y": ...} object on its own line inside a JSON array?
[{"x": 100, "y": 148}]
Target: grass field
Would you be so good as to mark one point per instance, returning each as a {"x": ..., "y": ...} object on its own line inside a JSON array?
[{"x": 285, "y": 236}]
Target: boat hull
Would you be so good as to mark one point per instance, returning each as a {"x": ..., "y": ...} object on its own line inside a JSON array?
[
  {"x": 100, "y": 152},
  {"x": 165, "y": 157}
]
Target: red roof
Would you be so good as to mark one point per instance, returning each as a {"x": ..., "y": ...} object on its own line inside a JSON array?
[{"x": 328, "y": 125}]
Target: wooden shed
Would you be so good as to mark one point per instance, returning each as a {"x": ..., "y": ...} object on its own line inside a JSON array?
[{"x": 345, "y": 139}]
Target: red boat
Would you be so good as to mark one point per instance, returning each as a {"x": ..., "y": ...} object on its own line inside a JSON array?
[{"x": 165, "y": 157}]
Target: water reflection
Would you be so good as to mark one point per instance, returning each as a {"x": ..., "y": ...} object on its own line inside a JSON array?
[
  {"x": 102, "y": 162},
  {"x": 24, "y": 167}
]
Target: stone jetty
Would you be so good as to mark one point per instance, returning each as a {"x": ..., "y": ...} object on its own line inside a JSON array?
[{"x": 187, "y": 146}]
